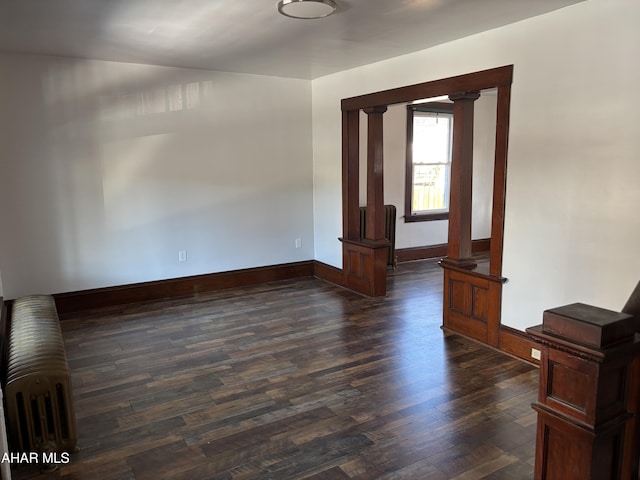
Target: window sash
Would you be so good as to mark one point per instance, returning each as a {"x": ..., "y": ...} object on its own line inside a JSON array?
[
  {"x": 435, "y": 189},
  {"x": 424, "y": 199}
]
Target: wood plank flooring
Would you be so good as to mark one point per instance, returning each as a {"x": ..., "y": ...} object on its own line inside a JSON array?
[{"x": 294, "y": 379}]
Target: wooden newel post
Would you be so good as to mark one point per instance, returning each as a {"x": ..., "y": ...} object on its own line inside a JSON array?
[{"x": 586, "y": 410}]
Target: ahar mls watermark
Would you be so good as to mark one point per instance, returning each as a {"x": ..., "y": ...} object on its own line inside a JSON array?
[{"x": 47, "y": 458}]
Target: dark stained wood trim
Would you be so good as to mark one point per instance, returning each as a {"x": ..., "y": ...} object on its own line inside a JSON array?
[
  {"x": 494, "y": 77},
  {"x": 518, "y": 344},
  {"x": 500, "y": 178},
  {"x": 362, "y": 267},
  {"x": 435, "y": 251},
  {"x": 3, "y": 316},
  {"x": 351, "y": 175},
  {"x": 375, "y": 180},
  {"x": 431, "y": 107},
  {"x": 513, "y": 342},
  {"x": 460, "y": 189},
  {"x": 408, "y": 167},
  {"x": 425, "y": 217},
  {"x": 420, "y": 253},
  {"x": 178, "y": 287},
  {"x": 4, "y": 334},
  {"x": 327, "y": 272}
]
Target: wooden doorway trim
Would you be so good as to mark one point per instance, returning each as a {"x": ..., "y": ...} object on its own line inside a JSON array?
[{"x": 363, "y": 268}]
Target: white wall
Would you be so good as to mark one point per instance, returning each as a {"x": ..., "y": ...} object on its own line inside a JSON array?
[
  {"x": 571, "y": 226},
  {"x": 109, "y": 169}
]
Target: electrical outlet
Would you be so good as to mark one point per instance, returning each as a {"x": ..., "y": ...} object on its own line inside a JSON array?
[
  {"x": 182, "y": 255},
  {"x": 298, "y": 243},
  {"x": 535, "y": 353}
]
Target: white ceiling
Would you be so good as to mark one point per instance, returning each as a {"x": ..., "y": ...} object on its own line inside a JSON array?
[{"x": 249, "y": 36}]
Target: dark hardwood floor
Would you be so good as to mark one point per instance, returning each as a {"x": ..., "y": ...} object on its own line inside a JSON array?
[{"x": 294, "y": 379}]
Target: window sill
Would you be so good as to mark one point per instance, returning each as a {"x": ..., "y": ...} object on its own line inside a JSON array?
[{"x": 426, "y": 217}]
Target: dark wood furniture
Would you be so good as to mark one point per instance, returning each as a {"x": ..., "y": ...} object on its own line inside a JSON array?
[{"x": 587, "y": 394}]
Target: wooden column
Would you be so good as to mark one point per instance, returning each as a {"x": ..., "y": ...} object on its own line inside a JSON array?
[
  {"x": 585, "y": 394},
  {"x": 459, "y": 245},
  {"x": 365, "y": 259},
  {"x": 375, "y": 179},
  {"x": 351, "y": 174},
  {"x": 472, "y": 299},
  {"x": 499, "y": 179}
]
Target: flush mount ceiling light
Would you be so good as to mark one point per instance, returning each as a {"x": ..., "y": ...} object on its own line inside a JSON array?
[{"x": 306, "y": 8}]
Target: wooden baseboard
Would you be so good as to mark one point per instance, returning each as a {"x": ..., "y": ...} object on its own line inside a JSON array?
[
  {"x": 3, "y": 316},
  {"x": 511, "y": 341},
  {"x": 514, "y": 343},
  {"x": 435, "y": 251},
  {"x": 327, "y": 272},
  {"x": 4, "y": 334},
  {"x": 178, "y": 287},
  {"x": 517, "y": 343}
]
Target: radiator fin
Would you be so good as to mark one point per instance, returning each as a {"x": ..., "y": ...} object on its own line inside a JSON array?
[{"x": 38, "y": 390}]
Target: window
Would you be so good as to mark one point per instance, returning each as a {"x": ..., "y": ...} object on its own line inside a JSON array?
[{"x": 429, "y": 141}]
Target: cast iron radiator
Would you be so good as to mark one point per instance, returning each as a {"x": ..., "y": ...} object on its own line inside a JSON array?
[
  {"x": 38, "y": 389},
  {"x": 389, "y": 231}
]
